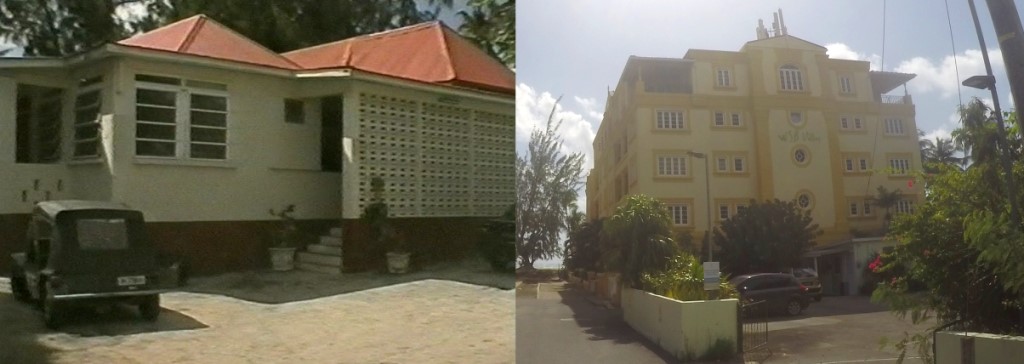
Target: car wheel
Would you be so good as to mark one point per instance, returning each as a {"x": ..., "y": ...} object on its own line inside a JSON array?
[
  {"x": 794, "y": 307},
  {"x": 150, "y": 307},
  {"x": 19, "y": 288},
  {"x": 53, "y": 313}
]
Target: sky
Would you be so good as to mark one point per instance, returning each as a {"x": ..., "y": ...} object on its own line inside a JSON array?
[{"x": 576, "y": 50}]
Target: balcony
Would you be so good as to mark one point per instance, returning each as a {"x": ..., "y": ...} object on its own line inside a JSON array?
[{"x": 896, "y": 100}]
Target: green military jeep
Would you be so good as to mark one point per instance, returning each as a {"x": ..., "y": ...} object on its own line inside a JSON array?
[{"x": 88, "y": 253}]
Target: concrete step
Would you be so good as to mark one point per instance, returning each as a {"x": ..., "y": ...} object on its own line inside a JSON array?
[
  {"x": 328, "y": 260},
  {"x": 336, "y": 232},
  {"x": 330, "y": 240},
  {"x": 324, "y": 249},
  {"x": 310, "y": 267}
]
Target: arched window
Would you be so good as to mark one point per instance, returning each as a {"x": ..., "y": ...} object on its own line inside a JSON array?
[{"x": 791, "y": 78}]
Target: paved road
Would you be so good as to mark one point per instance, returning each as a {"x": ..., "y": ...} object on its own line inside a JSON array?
[
  {"x": 558, "y": 325},
  {"x": 839, "y": 330}
]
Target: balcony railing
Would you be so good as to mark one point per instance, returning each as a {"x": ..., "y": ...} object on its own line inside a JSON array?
[{"x": 895, "y": 99}]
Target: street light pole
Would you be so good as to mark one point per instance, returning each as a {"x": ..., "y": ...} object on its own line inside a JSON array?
[
  {"x": 707, "y": 197},
  {"x": 989, "y": 82}
]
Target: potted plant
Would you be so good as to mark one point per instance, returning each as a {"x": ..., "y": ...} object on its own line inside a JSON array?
[
  {"x": 376, "y": 215},
  {"x": 282, "y": 254},
  {"x": 398, "y": 255}
]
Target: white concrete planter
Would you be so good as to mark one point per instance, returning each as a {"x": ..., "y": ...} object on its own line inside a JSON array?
[
  {"x": 398, "y": 262},
  {"x": 282, "y": 259}
]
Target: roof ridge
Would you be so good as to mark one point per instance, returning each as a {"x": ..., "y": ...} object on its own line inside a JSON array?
[
  {"x": 268, "y": 50},
  {"x": 388, "y": 32},
  {"x": 447, "y": 53},
  {"x": 192, "y": 32}
]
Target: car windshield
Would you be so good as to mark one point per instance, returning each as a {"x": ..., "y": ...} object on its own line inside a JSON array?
[
  {"x": 102, "y": 234},
  {"x": 804, "y": 273}
]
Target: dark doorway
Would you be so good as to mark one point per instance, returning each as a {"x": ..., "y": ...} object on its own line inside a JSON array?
[{"x": 332, "y": 111}]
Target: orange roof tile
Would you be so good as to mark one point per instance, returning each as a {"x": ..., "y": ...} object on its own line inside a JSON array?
[
  {"x": 429, "y": 52},
  {"x": 202, "y": 36}
]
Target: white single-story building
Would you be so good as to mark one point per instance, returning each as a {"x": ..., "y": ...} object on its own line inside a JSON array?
[{"x": 205, "y": 130}]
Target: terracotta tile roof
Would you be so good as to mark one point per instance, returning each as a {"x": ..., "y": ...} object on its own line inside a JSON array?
[
  {"x": 429, "y": 52},
  {"x": 202, "y": 36}
]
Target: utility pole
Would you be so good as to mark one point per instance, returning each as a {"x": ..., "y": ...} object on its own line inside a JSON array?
[{"x": 1010, "y": 35}]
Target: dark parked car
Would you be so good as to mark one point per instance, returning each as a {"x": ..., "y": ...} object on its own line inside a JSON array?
[
  {"x": 776, "y": 292},
  {"x": 88, "y": 253},
  {"x": 809, "y": 278}
]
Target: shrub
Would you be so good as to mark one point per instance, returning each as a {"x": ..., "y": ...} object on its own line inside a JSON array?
[
  {"x": 498, "y": 244},
  {"x": 684, "y": 280}
]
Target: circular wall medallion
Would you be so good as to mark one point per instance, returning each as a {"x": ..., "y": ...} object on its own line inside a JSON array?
[
  {"x": 805, "y": 200},
  {"x": 801, "y": 155},
  {"x": 796, "y": 118}
]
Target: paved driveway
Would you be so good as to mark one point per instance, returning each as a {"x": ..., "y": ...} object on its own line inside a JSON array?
[
  {"x": 556, "y": 324},
  {"x": 838, "y": 330},
  {"x": 428, "y": 321}
]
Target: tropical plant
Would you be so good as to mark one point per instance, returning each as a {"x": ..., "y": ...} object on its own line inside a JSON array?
[
  {"x": 583, "y": 248},
  {"x": 965, "y": 253},
  {"x": 498, "y": 245},
  {"x": 547, "y": 182},
  {"x": 683, "y": 279},
  {"x": 768, "y": 236},
  {"x": 887, "y": 200},
  {"x": 375, "y": 214},
  {"x": 940, "y": 151},
  {"x": 978, "y": 135},
  {"x": 638, "y": 239},
  {"x": 492, "y": 25}
]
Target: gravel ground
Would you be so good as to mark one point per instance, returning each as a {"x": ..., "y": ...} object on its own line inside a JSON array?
[{"x": 422, "y": 321}]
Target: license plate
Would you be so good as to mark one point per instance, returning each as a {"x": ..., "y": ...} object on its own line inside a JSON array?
[{"x": 131, "y": 280}]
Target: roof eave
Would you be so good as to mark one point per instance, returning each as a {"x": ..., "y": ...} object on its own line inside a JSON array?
[
  {"x": 433, "y": 87},
  {"x": 174, "y": 57}
]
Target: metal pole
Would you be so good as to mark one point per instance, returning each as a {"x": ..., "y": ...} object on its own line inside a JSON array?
[
  {"x": 1010, "y": 35},
  {"x": 1011, "y": 193},
  {"x": 707, "y": 197}
]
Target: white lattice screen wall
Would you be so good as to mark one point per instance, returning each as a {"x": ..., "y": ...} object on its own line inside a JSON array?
[{"x": 436, "y": 159}]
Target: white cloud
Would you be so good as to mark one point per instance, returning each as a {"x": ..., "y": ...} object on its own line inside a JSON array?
[
  {"x": 941, "y": 77},
  {"x": 590, "y": 107},
  {"x": 843, "y": 51},
  {"x": 532, "y": 110}
]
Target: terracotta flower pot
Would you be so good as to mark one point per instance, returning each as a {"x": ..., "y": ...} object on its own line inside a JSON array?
[
  {"x": 398, "y": 262},
  {"x": 282, "y": 259}
]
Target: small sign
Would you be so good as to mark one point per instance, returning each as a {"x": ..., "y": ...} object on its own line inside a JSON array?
[{"x": 712, "y": 276}]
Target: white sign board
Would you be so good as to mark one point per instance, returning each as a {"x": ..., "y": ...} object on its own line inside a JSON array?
[{"x": 712, "y": 276}]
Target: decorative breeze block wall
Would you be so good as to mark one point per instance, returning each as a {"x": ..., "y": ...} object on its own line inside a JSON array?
[{"x": 436, "y": 159}]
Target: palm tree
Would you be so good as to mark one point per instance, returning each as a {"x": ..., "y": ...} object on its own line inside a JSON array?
[
  {"x": 945, "y": 152},
  {"x": 638, "y": 238},
  {"x": 978, "y": 136}
]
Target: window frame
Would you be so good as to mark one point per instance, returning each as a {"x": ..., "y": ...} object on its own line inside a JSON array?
[
  {"x": 894, "y": 127},
  {"x": 184, "y": 124},
  {"x": 790, "y": 78},
  {"x": 899, "y": 166},
  {"x": 666, "y": 123},
  {"x": 94, "y": 84},
  {"x": 845, "y": 85},
  {"x": 680, "y": 217},
  {"x": 664, "y": 163},
  {"x": 719, "y": 73}
]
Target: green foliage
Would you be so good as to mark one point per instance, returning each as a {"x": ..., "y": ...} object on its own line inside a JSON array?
[
  {"x": 768, "y": 236},
  {"x": 683, "y": 279},
  {"x": 940, "y": 151},
  {"x": 62, "y": 27},
  {"x": 546, "y": 187},
  {"x": 887, "y": 199},
  {"x": 583, "y": 248},
  {"x": 375, "y": 215},
  {"x": 960, "y": 246},
  {"x": 491, "y": 24},
  {"x": 638, "y": 238},
  {"x": 498, "y": 245},
  {"x": 722, "y": 349}
]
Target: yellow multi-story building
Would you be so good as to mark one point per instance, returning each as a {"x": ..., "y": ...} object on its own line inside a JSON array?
[{"x": 777, "y": 119}]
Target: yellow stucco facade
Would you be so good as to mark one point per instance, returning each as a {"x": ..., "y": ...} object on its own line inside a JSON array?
[{"x": 776, "y": 119}]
